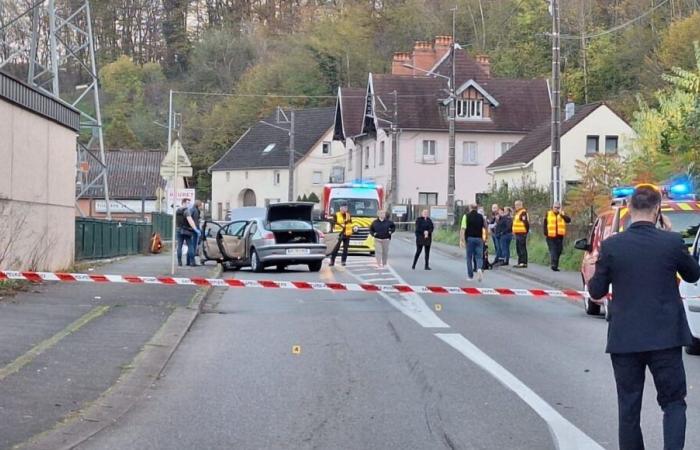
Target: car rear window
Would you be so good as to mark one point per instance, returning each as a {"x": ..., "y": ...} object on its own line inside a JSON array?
[
  {"x": 282, "y": 225},
  {"x": 684, "y": 222}
]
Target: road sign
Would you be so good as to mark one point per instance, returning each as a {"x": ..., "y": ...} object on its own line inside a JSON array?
[
  {"x": 184, "y": 166},
  {"x": 399, "y": 210}
]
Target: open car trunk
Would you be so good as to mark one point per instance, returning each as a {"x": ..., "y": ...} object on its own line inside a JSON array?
[{"x": 296, "y": 237}]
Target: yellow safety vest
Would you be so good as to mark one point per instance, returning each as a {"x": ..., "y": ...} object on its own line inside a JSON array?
[
  {"x": 556, "y": 227},
  {"x": 343, "y": 223},
  {"x": 518, "y": 224}
]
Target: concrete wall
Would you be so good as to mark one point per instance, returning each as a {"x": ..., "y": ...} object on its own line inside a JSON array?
[
  {"x": 602, "y": 122},
  {"x": 37, "y": 191}
]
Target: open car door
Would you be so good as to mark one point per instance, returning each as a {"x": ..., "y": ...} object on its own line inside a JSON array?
[
  {"x": 330, "y": 238},
  {"x": 231, "y": 240},
  {"x": 210, "y": 244}
]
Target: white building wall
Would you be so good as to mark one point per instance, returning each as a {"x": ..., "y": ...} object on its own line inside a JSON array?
[{"x": 305, "y": 179}]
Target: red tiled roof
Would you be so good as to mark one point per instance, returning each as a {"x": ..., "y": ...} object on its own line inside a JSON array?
[
  {"x": 352, "y": 105},
  {"x": 131, "y": 174}
]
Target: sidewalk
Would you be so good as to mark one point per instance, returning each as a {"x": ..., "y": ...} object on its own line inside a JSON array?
[
  {"x": 533, "y": 272},
  {"x": 63, "y": 345}
]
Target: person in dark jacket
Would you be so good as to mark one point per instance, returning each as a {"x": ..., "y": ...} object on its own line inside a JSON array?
[
  {"x": 504, "y": 230},
  {"x": 424, "y": 237},
  {"x": 381, "y": 230},
  {"x": 648, "y": 325}
]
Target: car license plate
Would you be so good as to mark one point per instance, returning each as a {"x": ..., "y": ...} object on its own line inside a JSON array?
[{"x": 298, "y": 251}]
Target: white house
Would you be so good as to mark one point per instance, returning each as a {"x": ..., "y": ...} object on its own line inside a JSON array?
[
  {"x": 255, "y": 170},
  {"x": 586, "y": 132},
  {"x": 492, "y": 114}
]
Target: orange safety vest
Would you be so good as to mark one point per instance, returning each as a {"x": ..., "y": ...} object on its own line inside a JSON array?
[
  {"x": 343, "y": 223},
  {"x": 518, "y": 224},
  {"x": 556, "y": 227}
]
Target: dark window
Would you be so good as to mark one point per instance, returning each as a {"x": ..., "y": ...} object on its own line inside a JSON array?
[
  {"x": 326, "y": 148},
  {"x": 611, "y": 145},
  {"x": 427, "y": 198},
  {"x": 592, "y": 145}
]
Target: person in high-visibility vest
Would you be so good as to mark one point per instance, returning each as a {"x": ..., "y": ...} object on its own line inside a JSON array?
[
  {"x": 342, "y": 224},
  {"x": 521, "y": 227},
  {"x": 554, "y": 230}
]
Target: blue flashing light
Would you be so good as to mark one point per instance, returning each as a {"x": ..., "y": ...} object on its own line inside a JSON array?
[
  {"x": 679, "y": 189},
  {"x": 622, "y": 192}
]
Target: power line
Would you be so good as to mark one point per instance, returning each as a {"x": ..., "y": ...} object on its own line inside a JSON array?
[{"x": 617, "y": 27}]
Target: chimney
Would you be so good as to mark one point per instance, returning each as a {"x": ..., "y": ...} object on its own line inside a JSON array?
[
  {"x": 423, "y": 56},
  {"x": 485, "y": 64},
  {"x": 569, "y": 108},
  {"x": 397, "y": 64},
  {"x": 442, "y": 45}
]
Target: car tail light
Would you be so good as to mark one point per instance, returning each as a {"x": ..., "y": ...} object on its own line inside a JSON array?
[{"x": 269, "y": 235}]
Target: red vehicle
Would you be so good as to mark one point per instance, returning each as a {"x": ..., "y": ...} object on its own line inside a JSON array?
[{"x": 678, "y": 204}]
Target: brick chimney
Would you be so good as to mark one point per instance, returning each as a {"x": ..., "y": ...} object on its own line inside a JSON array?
[
  {"x": 485, "y": 64},
  {"x": 397, "y": 64},
  {"x": 442, "y": 45}
]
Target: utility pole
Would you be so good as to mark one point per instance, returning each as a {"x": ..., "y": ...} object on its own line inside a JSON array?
[
  {"x": 290, "y": 193},
  {"x": 556, "y": 102},
  {"x": 451, "y": 157},
  {"x": 174, "y": 222},
  {"x": 395, "y": 152}
]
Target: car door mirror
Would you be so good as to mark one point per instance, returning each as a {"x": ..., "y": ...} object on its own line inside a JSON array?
[{"x": 582, "y": 244}]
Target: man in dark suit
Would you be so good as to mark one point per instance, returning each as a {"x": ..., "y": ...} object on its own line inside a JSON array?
[{"x": 648, "y": 327}]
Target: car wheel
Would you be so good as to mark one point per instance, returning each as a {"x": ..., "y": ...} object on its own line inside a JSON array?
[
  {"x": 592, "y": 309},
  {"x": 694, "y": 348},
  {"x": 315, "y": 266},
  {"x": 255, "y": 264}
]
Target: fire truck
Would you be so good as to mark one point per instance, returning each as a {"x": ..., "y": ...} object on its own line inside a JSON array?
[
  {"x": 678, "y": 203},
  {"x": 364, "y": 200}
]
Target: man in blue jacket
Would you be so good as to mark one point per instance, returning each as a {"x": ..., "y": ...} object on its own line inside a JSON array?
[{"x": 648, "y": 327}]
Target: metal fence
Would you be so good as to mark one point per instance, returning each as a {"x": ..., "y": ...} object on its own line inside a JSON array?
[
  {"x": 163, "y": 225},
  {"x": 95, "y": 238}
]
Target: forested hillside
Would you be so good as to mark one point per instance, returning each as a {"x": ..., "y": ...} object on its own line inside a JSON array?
[{"x": 615, "y": 50}]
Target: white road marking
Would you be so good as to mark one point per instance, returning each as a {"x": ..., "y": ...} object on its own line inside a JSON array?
[
  {"x": 381, "y": 279},
  {"x": 410, "y": 304},
  {"x": 566, "y": 435}
]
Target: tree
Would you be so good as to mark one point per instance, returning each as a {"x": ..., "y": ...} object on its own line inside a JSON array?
[
  {"x": 597, "y": 178},
  {"x": 314, "y": 198},
  {"x": 676, "y": 47}
]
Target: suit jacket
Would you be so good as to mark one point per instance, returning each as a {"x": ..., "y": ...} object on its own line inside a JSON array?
[{"x": 646, "y": 311}]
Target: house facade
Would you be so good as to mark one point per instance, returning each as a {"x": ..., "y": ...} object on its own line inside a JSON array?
[
  {"x": 38, "y": 138},
  {"x": 255, "y": 170},
  {"x": 587, "y": 131},
  {"x": 411, "y": 105}
]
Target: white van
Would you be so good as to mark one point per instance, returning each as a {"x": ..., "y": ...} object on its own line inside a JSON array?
[{"x": 691, "y": 302}]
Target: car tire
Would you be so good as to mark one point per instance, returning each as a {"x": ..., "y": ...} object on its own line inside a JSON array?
[
  {"x": 255, "y": 264},
  {"x": 315, "y": 266},
  {"x": 592, "y": 309},
  {"x": 694, "y": 348}
]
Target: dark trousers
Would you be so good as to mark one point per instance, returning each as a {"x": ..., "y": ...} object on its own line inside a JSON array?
[
  {"x": 419, "y": 249},
  {"x": 521, "y": 248},
  {"x": 496, "y": 246},
  {"x": 345, "y": 242},
  {"x": 666, "y": 367},
  {"x": 192, "y": 243},
  {"x": 555, "y": 246},
  {"x": 180, "y": 239},
  {"x": 504, "y": 247}
]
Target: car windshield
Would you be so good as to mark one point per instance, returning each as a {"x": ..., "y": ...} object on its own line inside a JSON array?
[
  {"x": 366, "y": 207},
  {"x": 685, "y": 223},
  {"x": 284, "y": 225}
]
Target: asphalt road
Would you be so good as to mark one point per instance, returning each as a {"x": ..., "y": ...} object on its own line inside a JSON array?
[{"x": 388, "y": 371}]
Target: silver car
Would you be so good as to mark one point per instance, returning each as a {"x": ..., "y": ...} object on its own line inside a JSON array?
[{"x": 280, "y": 235}]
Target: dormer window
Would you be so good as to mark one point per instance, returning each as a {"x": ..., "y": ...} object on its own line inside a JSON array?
[{"x": 470, "y": 109}]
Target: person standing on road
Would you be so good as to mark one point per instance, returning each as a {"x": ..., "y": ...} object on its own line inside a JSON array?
[
  {"x": 424, "y": 238},
  {"x": 521, "y": 227},
  {"x": 192, "y": 215},
  {"x": 493, "y": 220},
  {"x": 504, "y": 228},
  {"x": 342, "y": 224},
  {"x": 554, "y": 231},
  {"x": 648, "y": 325},
  {"x": 182, "y": 233},
  {"x": 381, "y": 230},
  {"x": 473, "y": 228}
]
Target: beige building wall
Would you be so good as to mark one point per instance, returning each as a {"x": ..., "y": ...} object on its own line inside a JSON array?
[
  {"x": 37, "y": 191},
  {"x": 602, "y": 122}
]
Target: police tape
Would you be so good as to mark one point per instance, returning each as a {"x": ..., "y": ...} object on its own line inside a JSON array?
[{"x": 38, "y": 277}]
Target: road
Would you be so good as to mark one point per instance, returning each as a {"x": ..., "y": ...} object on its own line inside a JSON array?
[{"x": 388, "y": 371}]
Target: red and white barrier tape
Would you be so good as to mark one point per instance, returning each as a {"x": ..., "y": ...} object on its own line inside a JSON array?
[{"x": 268, "y": 284}]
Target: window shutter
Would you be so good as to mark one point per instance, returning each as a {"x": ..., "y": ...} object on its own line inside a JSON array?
[
  {"x": 438, "y": 152},
  {"x": 419, "y": 151}
]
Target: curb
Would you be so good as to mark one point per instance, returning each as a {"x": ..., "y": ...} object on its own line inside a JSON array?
[{"x": 131, "y": 386}]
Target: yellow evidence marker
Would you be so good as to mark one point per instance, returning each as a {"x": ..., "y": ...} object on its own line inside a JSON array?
[
  {"x": 296, "y": 349},
  {"x": 438, "y": 307}
]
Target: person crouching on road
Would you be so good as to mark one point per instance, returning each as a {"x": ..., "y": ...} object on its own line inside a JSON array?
[
  {"x": 504, "y": 230},
  {"x": 381, "y": 230},
  {"x": 648, "y": 325},
  {"x": 472, "y": 237},
  {"x": 342, "y": 224},
  {"x": 424, "y": 237},
  {"x": 554, "y": 230},
  {"x": 521, "y": 227}
]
